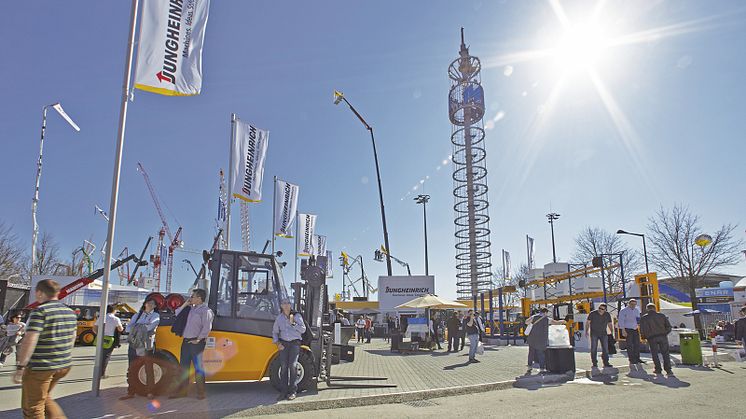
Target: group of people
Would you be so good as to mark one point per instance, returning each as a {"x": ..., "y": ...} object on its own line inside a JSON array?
[
  {"x": 652, "y": 326},
  {"x": 364, "y": 329},
  {"x": 461, "y": 327}
]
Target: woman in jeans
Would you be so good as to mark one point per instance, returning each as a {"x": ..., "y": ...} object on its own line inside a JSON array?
[
  {"x": 147, "y": 318},
  {"x": 14, "y": 332},
  {"x": 472, "y": 333}
]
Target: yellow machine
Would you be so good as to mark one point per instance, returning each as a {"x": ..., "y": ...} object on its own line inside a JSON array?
[
  {"x": 87, "y": 315},
  {"x": 244, "y": 294}
]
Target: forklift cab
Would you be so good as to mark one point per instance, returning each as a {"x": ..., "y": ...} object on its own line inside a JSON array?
[{"x": 245, "y": 292}]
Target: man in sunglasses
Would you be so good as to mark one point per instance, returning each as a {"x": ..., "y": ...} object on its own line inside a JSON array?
[{"x": 599, "y": 328}]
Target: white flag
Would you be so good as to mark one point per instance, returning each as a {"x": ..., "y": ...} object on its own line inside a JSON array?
[
  {"x": 506, "y": 264},
  {"x": 329, "y": 265},
  {"x": 169, "y": 53},
  {"x": 286, "y": 205},
  {"x": 319, "y": 245},
  {"x": 249, "y": 152},
  {"x": 307, "y": 232},
  {"x": 530, "y": 250}
]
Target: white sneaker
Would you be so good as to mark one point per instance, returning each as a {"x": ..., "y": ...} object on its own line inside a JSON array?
[{"x": 1, "y": 365}]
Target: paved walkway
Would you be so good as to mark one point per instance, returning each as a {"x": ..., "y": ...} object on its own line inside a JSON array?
[{"x": 411, "y": 373}]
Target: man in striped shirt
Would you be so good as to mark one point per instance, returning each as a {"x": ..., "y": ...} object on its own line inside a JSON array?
[{"x": 45, "y": 356}]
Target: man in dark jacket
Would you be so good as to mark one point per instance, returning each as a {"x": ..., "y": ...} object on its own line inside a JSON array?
[
  {"x": 453, "y": 334},
  {"x": 655, "y": 327},
  {"x": 741, "y": 328}
]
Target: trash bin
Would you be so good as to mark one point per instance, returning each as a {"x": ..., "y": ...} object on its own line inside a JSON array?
[{"x": 691, "y": 349}]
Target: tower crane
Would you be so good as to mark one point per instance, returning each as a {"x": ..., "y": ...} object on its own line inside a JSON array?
[{"x": 174, "y": 239}]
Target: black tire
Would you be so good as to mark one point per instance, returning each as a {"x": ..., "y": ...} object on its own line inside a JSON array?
[
  {"x": 305, "y": 372},
  {"x": 165, "y": 372},
  {"x": 87, "y": 338}
]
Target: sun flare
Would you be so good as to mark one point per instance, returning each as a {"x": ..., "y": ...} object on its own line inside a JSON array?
[{"x": 580, "y": 47}]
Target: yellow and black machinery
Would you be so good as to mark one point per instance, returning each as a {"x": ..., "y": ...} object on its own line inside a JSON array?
[
  {"x": 245, "y": 291},
  {"x": 87, "y": 315}
]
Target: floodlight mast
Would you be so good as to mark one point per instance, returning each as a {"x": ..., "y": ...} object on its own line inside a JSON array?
[{"x": 35, "y": 201}]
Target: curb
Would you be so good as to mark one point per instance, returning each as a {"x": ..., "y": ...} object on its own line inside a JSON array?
[{"x": 403, "y": 397}]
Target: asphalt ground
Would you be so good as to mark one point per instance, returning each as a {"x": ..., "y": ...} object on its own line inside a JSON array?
[{"x": 692, "y": 393}]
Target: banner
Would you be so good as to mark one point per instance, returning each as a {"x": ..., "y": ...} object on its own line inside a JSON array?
[
  {"x": 319, "y": 245},
  {"x": 250, "y": 153},
  {"x": 306, "y": 233},
  {"x": 530, "y": 249},
  {"x": 169, "y": 53},
  {"x": 286, "y": 206}
]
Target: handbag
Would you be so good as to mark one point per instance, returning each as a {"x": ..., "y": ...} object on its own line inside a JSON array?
[{"x": 108, "y": 342}]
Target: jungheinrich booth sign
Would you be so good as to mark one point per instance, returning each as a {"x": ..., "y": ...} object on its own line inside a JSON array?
[{"x": 397, "y": 290}]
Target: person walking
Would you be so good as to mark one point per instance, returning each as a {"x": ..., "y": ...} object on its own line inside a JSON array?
[
  {"x": 287, "y": 333},
  {"x": 360, "y": 329},
  {"x": 629, "y": 321},
  {"x": 538, "y": 338},
  {"x": 452, "y": 325},
  {"x": 740, "y": 329},
  {"x": 599, "y": 328},
  {"x": 368, "y": 329},
  {"x": 434, "y": 326},
  {"x": 462, "y": 330},
  {"x": 14, "y": 331},
  {"x": 45, "y": 355},
  {"x": 471, "y": 326},
  {"x": 141, "y": 330},
  {"x": 112, "y": 329},
  {"x": 196, "y": 330},
  {"x": 655, "y": 327}
]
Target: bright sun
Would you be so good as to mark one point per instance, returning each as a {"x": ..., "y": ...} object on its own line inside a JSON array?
[{"x": 580, "y": 47}]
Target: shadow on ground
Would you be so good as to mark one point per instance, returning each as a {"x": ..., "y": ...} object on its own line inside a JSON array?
[{"x": 222, "y": 399}]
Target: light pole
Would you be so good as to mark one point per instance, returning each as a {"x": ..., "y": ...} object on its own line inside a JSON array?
[
  {"x": 644, "y": 247},
  {"x": 422, "y": 199},
  {"x": 35, "y": 202},
  {"x": 338, "y": 97},
  {"x": 553, "y": 216}
]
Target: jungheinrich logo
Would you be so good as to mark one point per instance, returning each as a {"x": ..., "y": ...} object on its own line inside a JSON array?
[
  {"x": 286, "y": 207},
  {"x": 250, "y": 156},
  {"x": 170, "y": 53},
  {"x": 307, "y": 233}
]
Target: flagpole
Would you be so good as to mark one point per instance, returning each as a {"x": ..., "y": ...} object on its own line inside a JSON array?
[
  {"x": 297, "y": 237},
  {"x": 528, "y": 252},
  {"x": 274, "y": 212},
  {"x": 230, "y": 184},
  {"x": 114, "y": 197}
]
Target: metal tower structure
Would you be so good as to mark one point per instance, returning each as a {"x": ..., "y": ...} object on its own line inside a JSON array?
[{"x": 471, "y": 218}]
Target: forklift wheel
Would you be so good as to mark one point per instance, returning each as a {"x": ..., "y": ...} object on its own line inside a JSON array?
[
  {"x": 165, "y": 372},
  {"x": 87, "y": 338},
  {"x": 304, "y": 367}
]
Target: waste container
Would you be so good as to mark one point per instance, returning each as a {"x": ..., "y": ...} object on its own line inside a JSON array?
[{"x": 691, "y": 349}]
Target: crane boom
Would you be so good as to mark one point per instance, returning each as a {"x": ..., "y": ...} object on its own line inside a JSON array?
[{"x": 154, "y": 196}]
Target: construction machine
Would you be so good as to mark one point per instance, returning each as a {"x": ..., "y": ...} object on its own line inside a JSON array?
[{"x": 244, "y": 292}]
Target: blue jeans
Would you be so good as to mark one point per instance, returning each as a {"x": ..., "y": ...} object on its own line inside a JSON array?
[
  {"x": 473, "y": 342},
  {"x": 288, "y": 373},
  {"x": 191, "y": 354},
  {"x": 595, "y": 339}
]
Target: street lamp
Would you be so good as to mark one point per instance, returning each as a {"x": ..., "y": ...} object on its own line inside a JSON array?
[
  {"x": 423, "y": 199},
  {"x": 644, "y": 247},
  {"x": 553, "y": 216},
  {"x": 35, "y": 202},
  {"x": 339, "y": 97}
]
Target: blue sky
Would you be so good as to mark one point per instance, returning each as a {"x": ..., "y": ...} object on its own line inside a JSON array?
[{"x": 672, "y": 135}]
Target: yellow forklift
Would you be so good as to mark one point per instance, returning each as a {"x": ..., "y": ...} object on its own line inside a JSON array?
[{"x": 245, "y": 290}]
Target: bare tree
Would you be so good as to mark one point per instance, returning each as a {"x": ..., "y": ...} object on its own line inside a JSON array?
[
  {"x": 673, "y": 235},
  {"x": 46, "y": 256},
  {"x": 593, "y": 242},
  {"x": 11, "y": 255}
]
